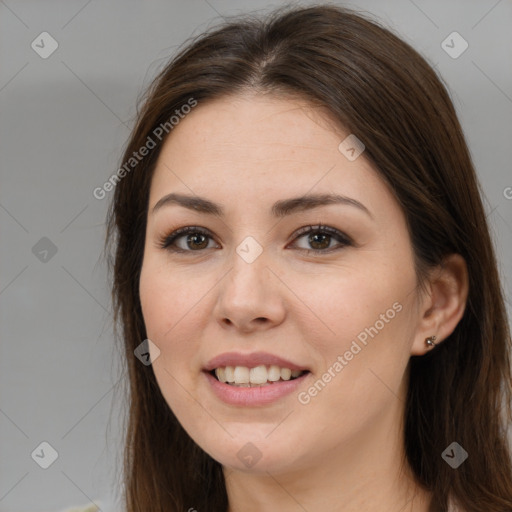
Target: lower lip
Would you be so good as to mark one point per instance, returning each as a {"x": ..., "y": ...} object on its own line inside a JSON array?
[{"x": 250, "y": 397}]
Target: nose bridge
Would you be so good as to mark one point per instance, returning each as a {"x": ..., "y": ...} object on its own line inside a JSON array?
[
  {"x": 248, "y": 262},
  {"x": 249, "y": 291}
]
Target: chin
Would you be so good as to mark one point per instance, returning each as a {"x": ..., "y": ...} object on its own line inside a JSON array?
[{"x": 255, "y": 453}]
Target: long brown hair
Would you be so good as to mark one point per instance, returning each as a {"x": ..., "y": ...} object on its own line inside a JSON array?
[{"x": 378, "y": 87}]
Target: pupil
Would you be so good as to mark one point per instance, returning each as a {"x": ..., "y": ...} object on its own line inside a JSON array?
[
  {"x": 193, "y": 238},
  {"x": 312, "y": 240}
]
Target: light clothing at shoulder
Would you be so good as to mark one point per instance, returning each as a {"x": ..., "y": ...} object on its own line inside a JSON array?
[
  {"x": 87, "y": 508},
  {"x": 453, "y": 506}
]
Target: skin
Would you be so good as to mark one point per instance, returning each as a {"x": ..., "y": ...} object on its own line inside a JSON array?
[{"x": 343, "y": 450}]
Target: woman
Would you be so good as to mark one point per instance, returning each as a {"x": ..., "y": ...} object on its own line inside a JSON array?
[{"x": 309, "y": 301}]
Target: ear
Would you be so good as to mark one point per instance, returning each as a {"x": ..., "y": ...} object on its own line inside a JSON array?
[{"x": 443, "y": 304}]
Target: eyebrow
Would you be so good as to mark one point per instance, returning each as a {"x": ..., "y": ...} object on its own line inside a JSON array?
[{"x": 279, "y": 209}]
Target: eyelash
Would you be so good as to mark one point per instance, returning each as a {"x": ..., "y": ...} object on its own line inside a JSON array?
[{"x": 166, "y": 241}]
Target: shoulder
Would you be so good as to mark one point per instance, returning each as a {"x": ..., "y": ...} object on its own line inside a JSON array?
[
  {"x": 110, "y": 504},
  {"x": 87, "y": 508},
  {"x": 453, "y": 505}
]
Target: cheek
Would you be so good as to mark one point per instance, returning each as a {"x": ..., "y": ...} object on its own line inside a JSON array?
[
  {"x": 365, "y": 323},
  {"x": 168, "y": 308},
  {"x": 344, "y": 303},
  {"x": 170, "y": 298}
]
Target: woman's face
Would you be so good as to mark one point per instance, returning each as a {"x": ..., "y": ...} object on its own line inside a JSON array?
[{"x": 242, "y": 291}]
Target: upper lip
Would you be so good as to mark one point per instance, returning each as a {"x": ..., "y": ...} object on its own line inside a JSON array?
[{"x": 250, "y": 360}]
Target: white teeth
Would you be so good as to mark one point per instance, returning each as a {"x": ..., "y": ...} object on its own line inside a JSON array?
[
  {"x": 274, "y": 373},
  {"x": 221, "y": 374},
  {"x": 241, "y": 375},
  {"x": 258, "y": 376},
  {"x": 229, "y": 373},
  {"x": 286, "y": 373}
]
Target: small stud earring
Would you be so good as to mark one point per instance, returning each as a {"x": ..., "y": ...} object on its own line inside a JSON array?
[{"x": 430, "y": 341}]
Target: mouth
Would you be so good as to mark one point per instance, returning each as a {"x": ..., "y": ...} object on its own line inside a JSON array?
[
  {"x": 258, "y": 376},
  {"x": 255, "y": 379}
]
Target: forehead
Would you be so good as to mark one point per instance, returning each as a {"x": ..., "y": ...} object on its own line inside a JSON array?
[{"x": 252, "y": 147}]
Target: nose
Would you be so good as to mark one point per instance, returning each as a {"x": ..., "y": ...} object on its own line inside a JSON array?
[{"x": 250, "y": 297}]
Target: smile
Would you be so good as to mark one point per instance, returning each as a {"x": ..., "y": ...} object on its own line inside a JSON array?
[
  {"x": 243, "y": 376},
  {"x": 253, "y": 379},
  {"x": 248, "y": 394}
]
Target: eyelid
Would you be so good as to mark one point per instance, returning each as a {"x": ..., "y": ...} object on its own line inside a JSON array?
[
  {"x": 344, "y": 240},
  {"x": 165, "y": 241}
]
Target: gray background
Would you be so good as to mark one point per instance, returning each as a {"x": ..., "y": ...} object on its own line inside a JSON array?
[{"x": 64, "y": 121}]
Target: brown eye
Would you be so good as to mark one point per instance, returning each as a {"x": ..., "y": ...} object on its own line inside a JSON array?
[
  {"x": 188, "y": 239},
  {"x": 318, "y": 239},
  {"x": 197, "y": 241}
]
